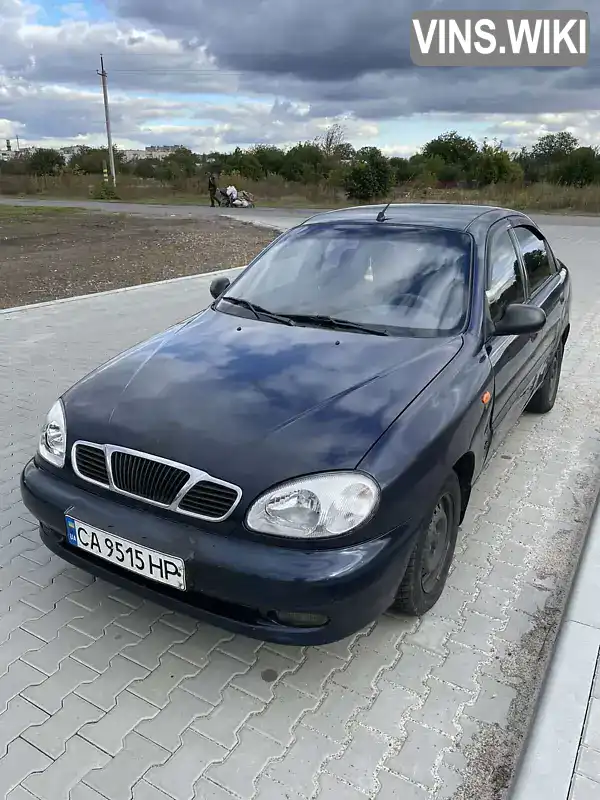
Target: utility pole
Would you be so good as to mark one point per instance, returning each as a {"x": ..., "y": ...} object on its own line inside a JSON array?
[{"x": 111, "y": 155}]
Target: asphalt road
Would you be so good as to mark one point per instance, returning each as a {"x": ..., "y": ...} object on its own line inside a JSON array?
[
  {"x": 270, "y": 216},
  {"x": 111, "y": 698}
]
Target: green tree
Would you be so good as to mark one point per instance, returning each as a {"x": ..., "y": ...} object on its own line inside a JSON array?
[
  {"x": 532, "y": 171},
  {"x": 305, "y": 163},
  {"x": 45, "y": 161},
  {"x": 581, "y": 167},
  {"x": 19, "y": 164},
  {"x": 369, "y": 176},
  {"x": 435, "y": 165},
  {"x": 403, "y": 169},
  {"x": 553, "y": 147},
  {"x": 542, "y": 160},
  {"x": 181, "y": 163},
  {"x": 452, "y": 149},
  {"x": 90, "y": 160},
  {"x": 343, "y": 153},
  {"x": 83, "y": 161},
  {"x": 245, "y": 164},
  {"x": 516, "y": 173},
  {"x": 271, "y": 159},
  {"x": 380, "y": 166},
  {"x": 338, "y": 175},
  {"x": 213, "y": 162},
  {"x": 145, "y": 167},
  {"x": 492, "y": 164},
  {"x": 360, "y": 182},
  {"x": 450, "y": 174}
]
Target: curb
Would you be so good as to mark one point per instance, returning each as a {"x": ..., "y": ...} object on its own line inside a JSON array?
[
  {"x": 61, "y": 300},
  {"x": 254, "y": 223}
]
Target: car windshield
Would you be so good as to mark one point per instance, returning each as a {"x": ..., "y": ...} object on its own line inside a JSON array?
[{"x": 408, "y": 281}]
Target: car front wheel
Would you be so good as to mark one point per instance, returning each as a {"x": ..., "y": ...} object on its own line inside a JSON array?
[{"x": 427, "y": 570}]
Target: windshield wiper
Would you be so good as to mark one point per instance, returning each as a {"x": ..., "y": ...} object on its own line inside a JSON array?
[
  {"x": 293, "y": 319},
  {"x": 337, "y": 324},
  {"x": 258, "y": 311}
]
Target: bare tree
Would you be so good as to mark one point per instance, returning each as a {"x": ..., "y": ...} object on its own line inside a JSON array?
[{"x": 332, "y": 140}]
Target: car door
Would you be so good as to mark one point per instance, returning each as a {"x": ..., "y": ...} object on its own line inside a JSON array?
[
  {"x": 509, "y": 355},
  {"x": 545, "y": 290}
]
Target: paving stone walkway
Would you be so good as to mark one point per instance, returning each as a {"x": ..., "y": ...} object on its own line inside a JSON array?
[
  {"x": 562, "y": 757},
  {"x": 106, "y": 697}
]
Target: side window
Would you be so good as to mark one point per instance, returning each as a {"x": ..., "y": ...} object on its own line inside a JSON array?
[
  {"x": 538, "y": 263},
  {"x": 505, "y": 281}
]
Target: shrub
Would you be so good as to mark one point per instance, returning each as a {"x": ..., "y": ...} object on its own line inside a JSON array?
[{"x": 104, "y": 191}]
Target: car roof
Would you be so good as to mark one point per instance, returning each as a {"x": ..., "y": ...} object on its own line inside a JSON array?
[{"x": 457, "y": 216}]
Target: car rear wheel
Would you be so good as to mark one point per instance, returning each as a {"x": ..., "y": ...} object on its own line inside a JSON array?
[
  {"x": 427, "y": 570},
  {"x": 543, "y": 400}
]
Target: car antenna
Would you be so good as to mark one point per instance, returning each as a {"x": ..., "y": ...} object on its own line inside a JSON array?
[{"x": 381, "y": 217}]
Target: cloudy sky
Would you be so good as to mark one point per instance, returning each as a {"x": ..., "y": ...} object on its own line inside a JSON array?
[{"x": 215, "y": 74}]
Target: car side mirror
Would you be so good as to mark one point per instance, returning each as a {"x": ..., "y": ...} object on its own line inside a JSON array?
[
  {"x": 218, "y": 286},
  {"x": 519, "y": 318}
]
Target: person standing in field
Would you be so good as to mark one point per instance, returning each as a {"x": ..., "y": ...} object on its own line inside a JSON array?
[{"x": 212, "y": 191}]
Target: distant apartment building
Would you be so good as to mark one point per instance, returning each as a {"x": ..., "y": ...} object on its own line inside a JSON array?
[
  {"x": 153, "y": 151},
  {"x": 132, "y": 155},
  {"x": 128, "y": 155},
  {"x": 69, "y": 152},
  {"x": 161, "y": 151}
]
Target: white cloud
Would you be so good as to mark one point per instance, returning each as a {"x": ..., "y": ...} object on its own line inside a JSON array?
[
  {"x": 401, "y": 150},
  {"x": 523, "y": 131},
  {"x": 75, "y": 11}
]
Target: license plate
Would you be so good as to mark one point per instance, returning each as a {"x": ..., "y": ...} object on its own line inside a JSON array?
[{"x": 134, "y": 557}]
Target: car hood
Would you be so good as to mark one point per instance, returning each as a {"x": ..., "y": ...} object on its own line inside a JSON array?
[{"x": 254, "y": 402}]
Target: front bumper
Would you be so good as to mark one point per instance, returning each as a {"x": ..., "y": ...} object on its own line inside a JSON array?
[{"x": 234, "y": 584}]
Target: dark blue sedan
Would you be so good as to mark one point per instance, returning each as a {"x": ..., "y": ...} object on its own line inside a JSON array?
[{"x": 297, "y": 458}]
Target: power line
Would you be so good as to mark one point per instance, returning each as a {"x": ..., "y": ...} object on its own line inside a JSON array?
[
  {"x": 174, "y": 69},
  {"x": 179, "y": 71},
  {"x": 196, "y": 70}
]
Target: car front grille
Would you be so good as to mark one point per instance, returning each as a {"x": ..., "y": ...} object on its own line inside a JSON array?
[
  {"x": 209, "y": 498},
  {"x": 156, "y": 481},
  {"x": 91, "y": 463},
  {"x": 143, "y": 477}
]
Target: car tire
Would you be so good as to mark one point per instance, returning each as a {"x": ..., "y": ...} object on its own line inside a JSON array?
[
  {"x": 430, "y": 561},
  {"x": 543, "y": 400}
]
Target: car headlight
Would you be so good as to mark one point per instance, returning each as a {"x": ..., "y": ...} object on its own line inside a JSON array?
[
  {"x": 53, "y": 436},
  {"x": 316, "y": 506}
]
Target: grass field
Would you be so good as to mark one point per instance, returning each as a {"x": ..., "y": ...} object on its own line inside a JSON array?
[{"x": 277, "y": 192}]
